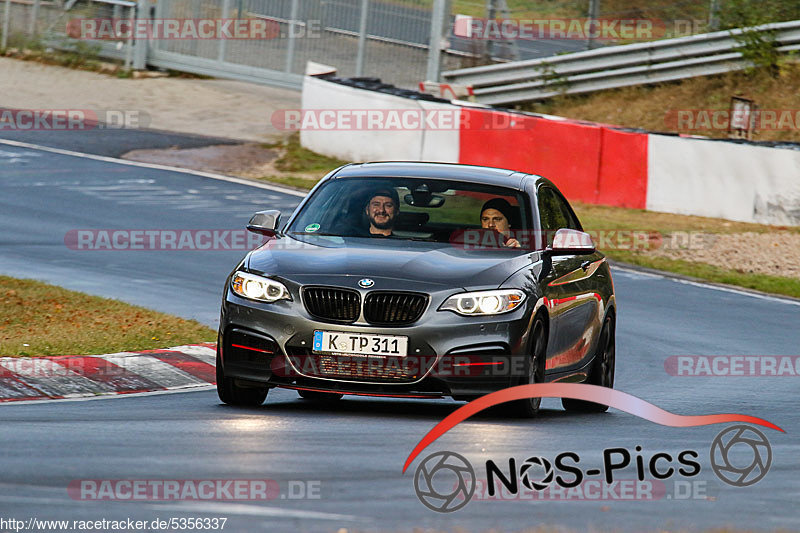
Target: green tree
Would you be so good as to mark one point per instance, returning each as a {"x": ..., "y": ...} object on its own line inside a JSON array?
[{"x": 759, "y": 47}]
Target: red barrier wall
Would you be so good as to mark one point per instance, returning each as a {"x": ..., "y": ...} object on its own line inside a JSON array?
[
  {"x": 623, "y": 169},
  {"x": 589, "y": 163}
]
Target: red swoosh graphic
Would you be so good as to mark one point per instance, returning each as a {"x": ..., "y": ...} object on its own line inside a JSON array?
[{"x": 579, "y": 391}]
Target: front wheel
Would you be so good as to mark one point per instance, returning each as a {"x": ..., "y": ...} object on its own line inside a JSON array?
[
  {"x": 602, "y": 370},
  {"x": 534, "y": 371},
  {"x": 232, "y": 394}
]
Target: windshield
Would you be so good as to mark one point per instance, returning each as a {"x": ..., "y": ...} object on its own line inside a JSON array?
[{"x": 424, "y": 209}]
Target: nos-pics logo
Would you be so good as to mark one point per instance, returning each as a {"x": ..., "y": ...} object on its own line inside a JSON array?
[{"x": 445, "y": 481}]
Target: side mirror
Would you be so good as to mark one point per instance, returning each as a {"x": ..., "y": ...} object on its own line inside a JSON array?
[
  {"x": 265, "y": 222},
  {"x": 571, "y": 242}
]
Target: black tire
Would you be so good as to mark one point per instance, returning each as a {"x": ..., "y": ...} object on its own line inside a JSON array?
[
  {"x": 317, "y": 396},
  {"x": 534, "y": 370},
  {"x": 602, "y": 370},
  {"x": 232, "y": 394}
]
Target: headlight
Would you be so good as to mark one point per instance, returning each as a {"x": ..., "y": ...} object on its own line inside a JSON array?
[
  {"x": 258, "y": 288},
  {"x": 484, "y": 302}
]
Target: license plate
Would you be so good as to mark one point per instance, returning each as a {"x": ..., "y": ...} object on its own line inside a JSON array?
[{"x": 360, "y": 343}]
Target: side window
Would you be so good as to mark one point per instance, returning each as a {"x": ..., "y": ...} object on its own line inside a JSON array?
[
  {"x": 554, "y": 213},
  {"x": 552, "y": 216},
  {"x": 572, "y": 221}
]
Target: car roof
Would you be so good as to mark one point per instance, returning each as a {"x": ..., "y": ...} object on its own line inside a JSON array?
[{"x": 469, "y": 173}]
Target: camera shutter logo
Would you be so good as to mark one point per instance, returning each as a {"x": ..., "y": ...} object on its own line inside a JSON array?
[
  {"x": 525, "y": 473},
  {"x": 729, "y": 455},
  {"x": 454, "y": 488}
]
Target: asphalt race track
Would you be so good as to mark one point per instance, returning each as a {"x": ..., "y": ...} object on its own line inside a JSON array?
[{"x": 352, "y": 452}]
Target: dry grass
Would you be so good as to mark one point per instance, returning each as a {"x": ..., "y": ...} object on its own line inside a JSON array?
[
  {"x": 655, "y": 107},
  {"x": 755, "y": 270},
  {"x": 603, "y": 217},
  {"x": 37, "y": 319}
]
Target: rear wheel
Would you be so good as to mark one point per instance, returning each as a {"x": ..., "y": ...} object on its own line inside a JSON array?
[
  {"x": 232, "y": 394},
  {"x": 601, "y": 372},
  {"x": 534, "y": 371},
  {"x": 319, "y": 396}
]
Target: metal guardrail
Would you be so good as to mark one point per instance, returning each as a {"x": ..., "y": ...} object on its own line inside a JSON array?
[{"x": 616, "y": 66}]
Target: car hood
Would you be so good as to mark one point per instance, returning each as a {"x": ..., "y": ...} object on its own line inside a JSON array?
[{"x": 326, "y": 260}]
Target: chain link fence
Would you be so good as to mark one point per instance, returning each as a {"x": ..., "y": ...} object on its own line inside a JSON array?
[
  {"x": 57, "y": 24},
  {"x": 387, "y": 39},
  {"x": 376, "y": 38}
]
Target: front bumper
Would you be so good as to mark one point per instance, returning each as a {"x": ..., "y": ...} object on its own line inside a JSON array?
[{"x": 448, "y": 354}]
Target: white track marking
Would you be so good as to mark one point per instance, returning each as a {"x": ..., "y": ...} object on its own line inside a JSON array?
[
  {"x": 52, "y": 378},
  {"x": 253, "y": 510},
  {"x": 204, "y": 353},
  {"x": 114, "y": 396},
  {"x": 105, "y": 159},
  {"x": 155, "y": 370}
]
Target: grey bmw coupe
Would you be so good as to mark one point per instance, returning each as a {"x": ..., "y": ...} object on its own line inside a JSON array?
[{"x": 418, "y": 280}]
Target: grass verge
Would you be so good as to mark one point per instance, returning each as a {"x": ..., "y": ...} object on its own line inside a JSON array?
[
  {"x": 299, "y": 167},
  {"x": 601, "y": 217},
  {"x": 38, "y": 319},
  {"x": 295, "y": 158},
  {"x": 604, "y": 218}
]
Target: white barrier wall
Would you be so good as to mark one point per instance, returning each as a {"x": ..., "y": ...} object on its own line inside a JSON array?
[
  {"x": 723, "y": 180},
  {"x": 685, "y": 176},
  {"x": 361, "y": 145}
]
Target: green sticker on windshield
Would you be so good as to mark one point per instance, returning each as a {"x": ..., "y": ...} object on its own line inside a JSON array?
[{"x": 311, "y": 228}]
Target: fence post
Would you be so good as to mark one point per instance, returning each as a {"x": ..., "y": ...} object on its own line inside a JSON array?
[
  {"x": 594, "y": 13},
  {"x": 713, "y": 15},
  {"x": 362, "y": 39},
  {"x": 34, "y": 16},
  {"x": 223, "y": 43},
  {"x": 129, "y": 41},
  {"x": 6, "y": 23},
  {"x": 140, "y": 45},
  {"x": 439, "y": 21},
  {"x": 290, "y": 48}
]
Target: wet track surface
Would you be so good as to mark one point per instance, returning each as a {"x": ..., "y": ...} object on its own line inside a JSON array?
[{"x": 354, "y": 450}]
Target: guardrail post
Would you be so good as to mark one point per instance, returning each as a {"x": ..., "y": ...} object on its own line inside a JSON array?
[
  {"x": 223, "y": 43},
  {"x": 362, "y": 38},
  {"x": 439, "y": 21},
  {"x": 6, "y": 23},
  {"x": 292, "y": 23},
  {"x": 140, "y": 45}
]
